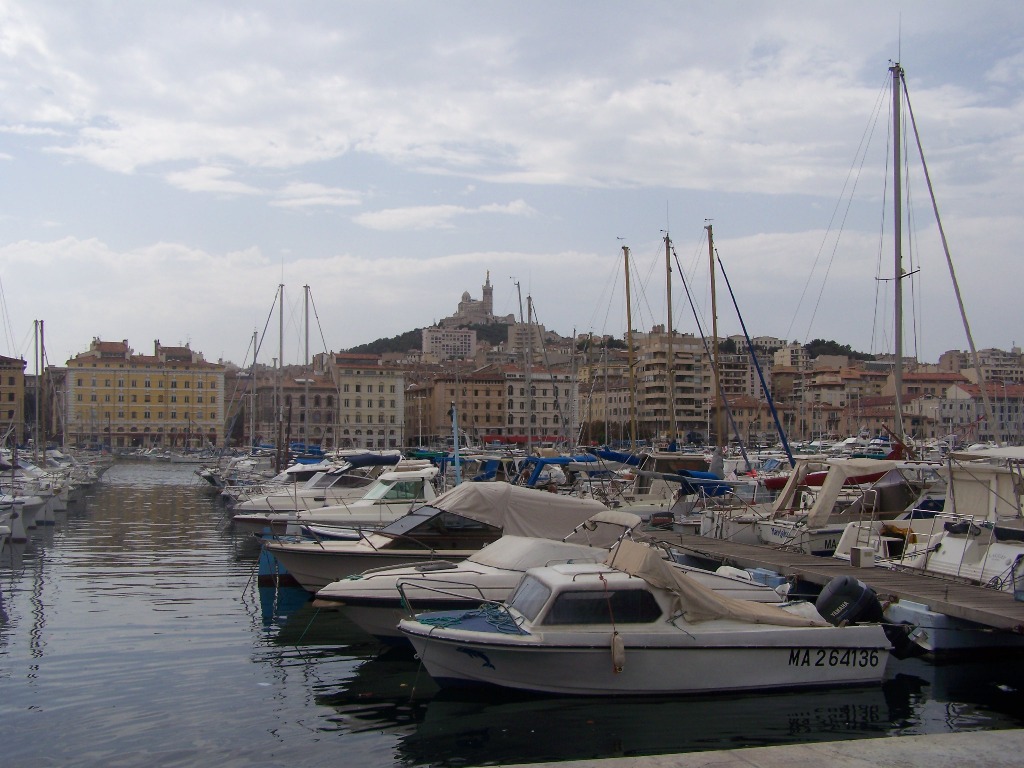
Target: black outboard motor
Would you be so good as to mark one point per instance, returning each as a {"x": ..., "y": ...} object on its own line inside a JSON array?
[{"x": 848, "y": 600}]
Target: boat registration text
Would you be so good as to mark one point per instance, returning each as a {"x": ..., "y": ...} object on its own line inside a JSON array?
[{"x": 833, "y": 657}]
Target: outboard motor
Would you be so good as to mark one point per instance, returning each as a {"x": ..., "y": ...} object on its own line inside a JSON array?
[{"x": 848, "y": 600}]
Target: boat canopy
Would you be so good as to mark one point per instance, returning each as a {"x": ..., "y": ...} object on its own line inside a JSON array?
[
  {"x": 516, "y": 510},
  {"x": 1008, "y": 453},
  {"x": 694, "y": 601},
  {"x": 518, "y": 553},
  {"x": 372, "y": 459}
]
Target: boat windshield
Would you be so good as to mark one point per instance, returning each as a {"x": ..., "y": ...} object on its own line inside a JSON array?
[
  {"x": 402, "y": 490},
  {"x": 529, "y": 597},
  {"x": 622, "y": 606}
]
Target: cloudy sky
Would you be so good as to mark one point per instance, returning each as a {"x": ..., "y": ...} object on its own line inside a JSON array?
[{"x": 165, "y": 166}]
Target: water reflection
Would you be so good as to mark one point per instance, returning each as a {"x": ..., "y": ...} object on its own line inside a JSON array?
[
  {"x": 134, "y": 631},
  {"x": 389, "y": 692}
]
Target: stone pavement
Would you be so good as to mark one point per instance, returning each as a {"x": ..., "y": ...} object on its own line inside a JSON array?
[{"x": 976, "y": 749}]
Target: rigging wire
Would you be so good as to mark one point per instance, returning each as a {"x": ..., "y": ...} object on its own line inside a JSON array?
[
  {"x": 851, "y": 182},
  {"x": 7, "y": 319}
]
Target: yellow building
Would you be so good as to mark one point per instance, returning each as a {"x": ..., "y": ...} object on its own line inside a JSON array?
[
  {"x": 12, "y": 399},
  {"x": 115, "y": 398}
]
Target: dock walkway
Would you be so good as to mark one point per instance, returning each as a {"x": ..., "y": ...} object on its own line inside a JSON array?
[
  {"x": 989, "y": 607},
  {"x": 990, "y": 749}
]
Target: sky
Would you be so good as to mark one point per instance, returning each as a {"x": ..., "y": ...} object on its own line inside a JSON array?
[{"x": 166, "y": 166}]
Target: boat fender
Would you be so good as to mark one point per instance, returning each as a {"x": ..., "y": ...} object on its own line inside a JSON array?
[{"x": 618, "y": 653}]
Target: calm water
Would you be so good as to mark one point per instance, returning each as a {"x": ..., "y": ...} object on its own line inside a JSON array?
[{"x": 132, "y": 632}]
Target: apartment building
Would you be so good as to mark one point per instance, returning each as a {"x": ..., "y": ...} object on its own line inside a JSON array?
[
  {"x": 12, "y": 399},
  {"x": 116, "y": 398}
]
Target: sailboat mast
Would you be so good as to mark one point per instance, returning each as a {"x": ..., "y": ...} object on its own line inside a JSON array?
[
  {"x": 629, "y": 351},
  {"x": 670, "y": 360},
  {"x": 715, "y": 386},
  {"x": 307, "y": 373},
  {"x": 986, "y": 404},
  {"x": 897, "y": 196},
  {"x": 35, "y": 418},
  {"x": 252, "y": 393},
  {"x": 279, "y": 384},
  {"x": 41, "y": 380}
]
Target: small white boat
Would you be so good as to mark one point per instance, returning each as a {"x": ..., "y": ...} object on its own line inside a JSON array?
[
  {"x": 635, "y": 625},
  {"x": 374, "y": 505},
  {"x": 449, "y": 527},
  {"x": 378, "y": 599}
]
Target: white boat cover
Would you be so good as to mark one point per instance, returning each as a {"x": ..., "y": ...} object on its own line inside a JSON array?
[
  {"x": 839, "y": 471},
  {"x": 518, "y": 553},
  {"x": 693, "y": 600},
  {"x": 1006, "y": 453},
  {"x": 517, "y": 510}
]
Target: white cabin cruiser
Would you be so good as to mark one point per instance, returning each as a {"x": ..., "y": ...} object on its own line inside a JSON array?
[
  {"x": 637, "y": 626},
  {"x": 450, "y": 527},
  {"x": 378, "y": 599},
  {"x": 384, "y": 500}
]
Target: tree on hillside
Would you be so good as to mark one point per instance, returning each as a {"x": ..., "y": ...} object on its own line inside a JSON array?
[
  {"x": 818, "y": 347},
  {"x": 401, "y": 343}
]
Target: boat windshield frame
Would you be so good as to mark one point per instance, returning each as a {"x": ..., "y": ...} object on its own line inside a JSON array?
[{"x": 530, "y": 597}]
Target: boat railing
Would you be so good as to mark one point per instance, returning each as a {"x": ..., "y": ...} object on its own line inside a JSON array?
[
  {"x": 471, "y": 592},
  {"x": 424, "y": 567},
  {"x": 909, "y": 541}
]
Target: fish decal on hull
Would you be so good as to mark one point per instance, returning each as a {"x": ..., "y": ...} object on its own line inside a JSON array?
[{"x": 475, "y": 654}]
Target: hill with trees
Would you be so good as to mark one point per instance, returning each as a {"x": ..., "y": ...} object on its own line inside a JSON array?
[{"x": 818, "y": 347}]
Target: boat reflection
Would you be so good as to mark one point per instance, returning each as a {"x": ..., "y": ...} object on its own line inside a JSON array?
[{"x": 388, "y": 692}]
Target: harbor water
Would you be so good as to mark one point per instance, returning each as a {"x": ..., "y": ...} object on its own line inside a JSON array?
[{"x": 133, "y": 632}]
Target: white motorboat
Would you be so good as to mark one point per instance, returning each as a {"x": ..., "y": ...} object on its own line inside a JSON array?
[
  {"x": 637, "y": 626},
  {"x": 332, "y": 483},
  {"x": 977, "y": 537},
  {"x": 450, "y": 527},
  {"x": 377, "y": 600},
  {"x": 371, "y": 505},
  {"x": 810, "y": 514}
]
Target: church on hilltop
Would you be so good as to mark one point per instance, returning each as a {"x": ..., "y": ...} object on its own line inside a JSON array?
[{"x": 476, "y": 311}]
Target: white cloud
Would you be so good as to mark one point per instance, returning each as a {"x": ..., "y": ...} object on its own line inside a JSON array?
[
  {"x": 309, "y": 195},
  {"x": 394, "y": 134},
  {"x": 434, "y": 216},
  {"x": 210, "y": 179}
]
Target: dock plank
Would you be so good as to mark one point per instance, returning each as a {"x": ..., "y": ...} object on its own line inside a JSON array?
[{"x": 988, "y": 607}]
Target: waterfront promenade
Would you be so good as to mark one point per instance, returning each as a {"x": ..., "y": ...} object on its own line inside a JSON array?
[{"x": 982, "y": 749}]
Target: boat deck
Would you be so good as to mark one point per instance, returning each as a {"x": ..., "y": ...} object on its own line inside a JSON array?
[{"x": 989, "y": 607}]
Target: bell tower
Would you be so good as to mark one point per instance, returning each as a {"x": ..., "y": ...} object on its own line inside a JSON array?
[{"x": 488, "y": 298}]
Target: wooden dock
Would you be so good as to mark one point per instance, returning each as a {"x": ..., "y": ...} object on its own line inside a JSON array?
[{"x": 989, "y": 607}]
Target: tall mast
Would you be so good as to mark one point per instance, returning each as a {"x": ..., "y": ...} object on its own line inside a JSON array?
[
  {"x": 35, "y": 419},
  {"x": 716, "y": 386},
  {"x": 527, "y": 354},
  {"x": 670, "y": 361},
  {"x": 986, "y": 404},
  {"x": 44, "y": 409},
  {"x": 629, "y": 351},
  {"x": 252, "y": 393},
  {"x": 307, "y": 373},
  {"x": 897, "y": 197},
  {"x": 279, "y": 384}
]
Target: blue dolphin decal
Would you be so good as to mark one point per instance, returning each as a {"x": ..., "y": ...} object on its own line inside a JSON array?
[{"x": 475, "y": 654}]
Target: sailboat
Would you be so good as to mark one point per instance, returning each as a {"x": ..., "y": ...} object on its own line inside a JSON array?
[
  {"x": 978, "y": 535},
  {"x": 813, "y": 519}
]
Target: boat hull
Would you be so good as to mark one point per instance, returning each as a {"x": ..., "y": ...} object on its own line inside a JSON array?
[
  {"x": 315, "y": 568},
  {"x": 775, "y": 659}
]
